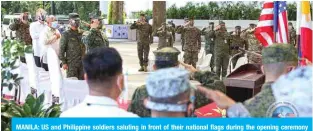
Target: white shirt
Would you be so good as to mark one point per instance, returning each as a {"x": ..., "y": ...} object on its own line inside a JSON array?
[
  {"x": 48, "y": 39},
  {"x": 97, "y": 106},
  {"x": 35, "y": 30}
]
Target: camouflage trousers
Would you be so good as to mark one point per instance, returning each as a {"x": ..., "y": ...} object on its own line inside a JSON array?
[
  {"x": 209, "y": 49},
  {"x": 75, "y": 70},
  {"x": 143, "y": 53},
  {"x": 221, "y": 64},
  {"x": 191, "y": 58}
]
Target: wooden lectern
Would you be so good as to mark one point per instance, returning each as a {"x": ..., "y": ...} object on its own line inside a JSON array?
[{"x": 245, "y": 82}]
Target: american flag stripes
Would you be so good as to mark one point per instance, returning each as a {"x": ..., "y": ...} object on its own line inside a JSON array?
[
  {"x": 280, "y": 21},
  {"x": 272, "y": 26},
  {"x": 264, "y": 30}
]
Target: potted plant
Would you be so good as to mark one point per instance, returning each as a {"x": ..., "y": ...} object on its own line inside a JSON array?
[
  {"x": 33, "y": 107},
  {"x": 12, "y": 50}
]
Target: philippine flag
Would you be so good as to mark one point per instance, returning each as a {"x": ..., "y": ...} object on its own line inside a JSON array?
[{"x": 306, "y": 31}]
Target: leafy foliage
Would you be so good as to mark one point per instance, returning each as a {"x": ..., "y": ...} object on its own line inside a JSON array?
[
  {"x": 227, "y": 10},
  {"x": 33, "y": 107},
  {"x": 62, "y": 7},
  {"x": 11, "y": 51}
]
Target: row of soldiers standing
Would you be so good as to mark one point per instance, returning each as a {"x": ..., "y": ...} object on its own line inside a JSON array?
[
  {"x": 221, "y": 44},
  {"x": 218, "y": 42}
]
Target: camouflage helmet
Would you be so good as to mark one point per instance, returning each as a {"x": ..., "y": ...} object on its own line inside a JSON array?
[
  {"x": 279, "y": 53},
  {"x": 167, "y": 54},
  {"x": 169, "y": 90}
]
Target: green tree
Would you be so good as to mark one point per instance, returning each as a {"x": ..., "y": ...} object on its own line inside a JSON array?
[
  {"x": 292, "y": 11},
  {"x": 172, "y": 12}
]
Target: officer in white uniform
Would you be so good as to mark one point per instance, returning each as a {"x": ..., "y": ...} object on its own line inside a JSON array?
[
  {"x": 103, "y": 73},
  {"x": 35, "y": 30}
]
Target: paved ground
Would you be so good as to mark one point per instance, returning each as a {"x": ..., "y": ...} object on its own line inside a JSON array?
[{"x": 128, "y": 51}]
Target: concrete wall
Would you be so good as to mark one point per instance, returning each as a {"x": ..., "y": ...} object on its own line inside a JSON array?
[{"x": 230, "y": 25}]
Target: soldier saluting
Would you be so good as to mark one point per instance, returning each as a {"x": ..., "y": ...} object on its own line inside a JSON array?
[
  {"x": 95, "y": 37},
  {"x": 237, "y": 42},
  {"x": 144, "y": 39},
  {"x": 72, "y": 48},
  {"x": 192, "y": 42},
  {"x": 209, "y": 36},
  {"x": 222, "y": 49},
  {"x": 165, "y": 32}
]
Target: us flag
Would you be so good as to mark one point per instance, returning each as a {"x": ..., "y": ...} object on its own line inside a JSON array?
[
  {"x": 272, "y": 26},
  {"x": 280, "y": 21}
]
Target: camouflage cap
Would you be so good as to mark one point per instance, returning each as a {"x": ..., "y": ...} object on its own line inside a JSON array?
[
  {"x": 289, "y": 23},
  {"x": 167, "y": 54},
  {"x": 221, "y": 22},
  {"x": 279, "y": 53},
  {"x": 168, "y": 90},
  {"x": 73, "y": 16},
  {"x": 211, "y": 23}
]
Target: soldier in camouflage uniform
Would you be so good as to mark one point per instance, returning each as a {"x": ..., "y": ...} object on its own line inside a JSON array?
[
  {"x": 208, "y": 32},
  {"x": 72, "y": 49},
  {"x": 95, "y": 38},
  {"x": 253, "y": 45},
  {"x": 167, "y": 57},
  {"x": 192, "y": 42},
  {"x": 21, "y": 26},
  {"x": 277, "y": 60},
  {"x": 292, "y": 34},
  {"x": 182, "y": 36},
  {"x": 222, "y": 49},
  {"x": 173, "y": 30},
  {"x": 144, "y": 39},
  {"x": 237, "y": 42},
  {"x": 165, "y": 32}
]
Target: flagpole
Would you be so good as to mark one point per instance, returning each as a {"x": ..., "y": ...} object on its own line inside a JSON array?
[
  {"x": 274, "y": 30},
  {"x": 298, "y": 30}
]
